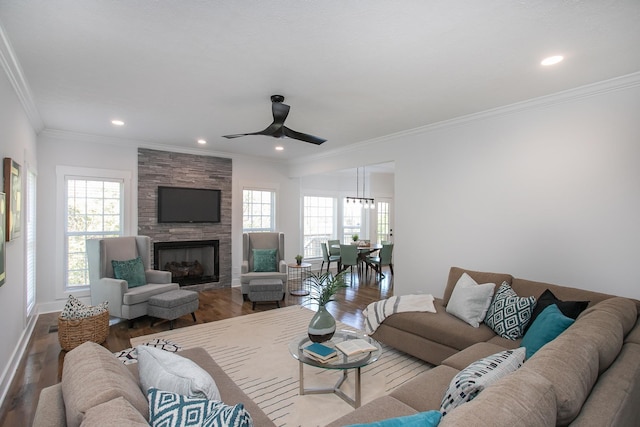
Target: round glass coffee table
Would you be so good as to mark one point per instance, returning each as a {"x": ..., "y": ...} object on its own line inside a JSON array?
[{"x": 342, "y": 362}]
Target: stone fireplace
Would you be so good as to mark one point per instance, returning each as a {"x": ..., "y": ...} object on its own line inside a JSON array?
[{"x": 190, "y": 262}]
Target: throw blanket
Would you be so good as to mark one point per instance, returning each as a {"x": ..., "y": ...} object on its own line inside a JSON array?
[{"x": 376, "y": 312}]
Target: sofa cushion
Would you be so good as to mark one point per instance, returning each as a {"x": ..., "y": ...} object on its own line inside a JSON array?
[
  {"x": 571, "y": 309},
  {"x": 378, "y": 409},
  {"x": 470, "y": 301},
  {"x": 508, "y": 313},
  {"x": 478, "y": 276},
  {"x": 169, "y": 371},
  {"x": 421, "y": 419},
  {"x": 265, "y": 260},
  {"x": 114, "y": 413},
  {"x": 612, "y": 402},
  {"x": 465, "y": 357},
  {"x": 91, "y": 375},
  {"x": 168, "y": 409},
  {"x": 458, "y": 334},
  {"x": 142, "y": 294},
  {"x": 634, "y": 335},
  {"x": 509, "y": 403},
  {"x": 479, "y": 375},
  {"x": 570, "y": 363},
  {"x": 424, "y": 392},
  {"x": 131, "y": 270},
  {"x": 549, "y": 324},
  {"x": 623, "y": 308}
]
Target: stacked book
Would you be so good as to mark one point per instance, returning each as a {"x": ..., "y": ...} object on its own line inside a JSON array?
[{"x": 320, "y": 352}]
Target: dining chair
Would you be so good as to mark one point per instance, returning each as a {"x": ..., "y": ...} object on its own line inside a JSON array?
[
  {"x": 334, "y": 247},
  {"x": 326, "y": 257},
  {"x": 348, "y": 257},
  {"x": 384, "y": 258}
]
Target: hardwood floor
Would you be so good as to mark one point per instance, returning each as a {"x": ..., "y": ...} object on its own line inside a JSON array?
[{"x": 41, "y": 365}]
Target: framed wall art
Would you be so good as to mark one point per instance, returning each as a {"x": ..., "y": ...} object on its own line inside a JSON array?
[
  {"x": 3, "y": 212},
  {"x": 13, "y": 195}
]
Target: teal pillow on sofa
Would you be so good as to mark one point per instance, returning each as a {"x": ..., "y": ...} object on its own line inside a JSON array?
[
  {"x": 547, "y": 326},
  {"x": 422, "y": 419},
  {"x": 265, "y": 260},
  {"x": 131, "y": 270}
]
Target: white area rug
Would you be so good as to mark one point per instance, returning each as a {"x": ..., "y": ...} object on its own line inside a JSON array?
[{"x": 253, "y": 351}]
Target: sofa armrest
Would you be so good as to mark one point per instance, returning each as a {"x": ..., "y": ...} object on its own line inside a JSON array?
[
  {"x": 111, "y": 290},
  {"x": 282, "y": 266},
  {"x": 158, "y": 276},
  {"x": 244, "y": 268},
  {"x": 50, "y": 411}
]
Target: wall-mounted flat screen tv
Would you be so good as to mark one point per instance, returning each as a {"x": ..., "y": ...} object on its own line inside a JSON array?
[{"x": 178, "y": 204}]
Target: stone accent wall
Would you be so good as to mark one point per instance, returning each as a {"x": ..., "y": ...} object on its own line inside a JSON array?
[{"x": 163, "y": 168}]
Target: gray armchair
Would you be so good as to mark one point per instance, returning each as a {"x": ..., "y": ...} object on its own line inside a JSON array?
[
  {"x": 251, "y": 241},
  {"x": 124, "y": 302}
]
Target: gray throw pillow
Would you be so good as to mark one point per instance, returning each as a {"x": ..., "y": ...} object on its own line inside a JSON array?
[
  {"x": 470, "y": 301},
  {"x": 170, "y": 372}
]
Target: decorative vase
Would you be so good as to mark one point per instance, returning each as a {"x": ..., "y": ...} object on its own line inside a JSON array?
[{"x": 322, "y": 325}]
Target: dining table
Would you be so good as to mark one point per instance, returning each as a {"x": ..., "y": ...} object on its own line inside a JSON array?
[{"x": 363, "y": 252}]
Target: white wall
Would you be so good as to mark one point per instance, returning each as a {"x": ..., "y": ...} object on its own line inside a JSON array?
[
  {"x": 547, "y": 190},
  {"x": 18, "y": 141}
]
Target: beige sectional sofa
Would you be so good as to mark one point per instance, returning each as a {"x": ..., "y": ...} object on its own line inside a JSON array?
[
  {"x": 99, "y": 390},
  {"x": 587, "y": 376}
]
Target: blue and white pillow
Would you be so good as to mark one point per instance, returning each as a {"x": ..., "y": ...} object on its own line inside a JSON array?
[
  {"x": 479, "y": 375},
  {"x": 508, "y": 313},
  {"x": 168, "y": 409},
  {"x": 76, "y": 309}
]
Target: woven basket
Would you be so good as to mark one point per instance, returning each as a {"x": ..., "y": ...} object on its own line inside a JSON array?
[{"x": 73, "y": 332}]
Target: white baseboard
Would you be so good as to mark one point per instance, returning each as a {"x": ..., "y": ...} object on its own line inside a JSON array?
[{"x": 14, "y": 361}]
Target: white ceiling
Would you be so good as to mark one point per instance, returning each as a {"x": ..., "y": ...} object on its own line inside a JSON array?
[{"x": 351, "y": 71}]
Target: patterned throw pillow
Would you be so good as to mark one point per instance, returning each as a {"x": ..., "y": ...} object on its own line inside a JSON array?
[
  {"x": 131, "y": 270},
  {"x": 479, "y": 375},
  {"x": 76, "y": 309},
  {"x": 508, "y": 313},
  {"x": 174, "y": 410},
  {"x": 130, "y": 355},
  {"x": 264, "y": 260}
]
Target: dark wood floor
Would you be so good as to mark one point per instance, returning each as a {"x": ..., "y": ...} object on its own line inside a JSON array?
[{"x": 41, "y": 365}]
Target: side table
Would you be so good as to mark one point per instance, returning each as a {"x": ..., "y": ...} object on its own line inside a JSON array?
[{"x": 297, "y": 276}]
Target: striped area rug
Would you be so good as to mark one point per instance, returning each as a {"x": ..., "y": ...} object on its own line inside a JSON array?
[{"x": 253, "y": 351}]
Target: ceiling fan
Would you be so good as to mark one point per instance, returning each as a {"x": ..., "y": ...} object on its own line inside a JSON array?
[{"x": 277, "y": 129}]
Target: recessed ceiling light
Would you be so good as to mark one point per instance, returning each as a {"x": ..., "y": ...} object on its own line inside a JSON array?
[
  {"x": 552, "y": 60},
  {"x": 202, "y": 141},
  {"x": 279, "y": 148},
  {"x": 117, "y": 122}
]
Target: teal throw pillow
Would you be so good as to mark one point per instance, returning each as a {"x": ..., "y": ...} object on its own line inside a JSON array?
[
  {"x": 131, "y": 270},
  {"x": 168, "y": 409},
  {"x": 547, "y": 326},
  {"x": 265, "y": 260},
  {"x": 422, "y": 419}
]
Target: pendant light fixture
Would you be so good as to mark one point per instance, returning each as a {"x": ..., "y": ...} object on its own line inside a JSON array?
[{"x": 366, "y": 202}]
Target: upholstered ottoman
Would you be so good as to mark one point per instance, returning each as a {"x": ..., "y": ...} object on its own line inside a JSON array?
[
  {"x": 173, "y": 304},
  {"x": 266, "y": 290}
]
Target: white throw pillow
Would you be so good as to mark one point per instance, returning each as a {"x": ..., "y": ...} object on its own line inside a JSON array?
[
  {"x": 170, "y": 372},
  {"x": 479, "y": 375},
  {"x": 470, "y": 301}
]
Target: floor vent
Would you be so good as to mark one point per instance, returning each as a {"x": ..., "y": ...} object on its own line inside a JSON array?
[{"x": 53, "y": 328}]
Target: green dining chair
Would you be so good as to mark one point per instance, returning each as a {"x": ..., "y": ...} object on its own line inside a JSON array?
[
  {"x": 326, "y": 257},
  {"x": 348, "y": 257},
  {"x": 334, "y": 247},
  {"x": 384, "y": 258}
]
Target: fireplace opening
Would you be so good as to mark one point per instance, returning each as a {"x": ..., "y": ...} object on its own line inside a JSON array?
[{"x": 190, "y": 262}]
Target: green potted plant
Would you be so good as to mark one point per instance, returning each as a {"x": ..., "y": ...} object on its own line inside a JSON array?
[
  {"x": 298, "y": 259},
  {"x": 355, "y": 238},
  {"x": 323, "y": 288}
]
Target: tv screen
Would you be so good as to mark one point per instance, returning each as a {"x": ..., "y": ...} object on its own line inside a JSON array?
[{"x": 177, "y": 204}]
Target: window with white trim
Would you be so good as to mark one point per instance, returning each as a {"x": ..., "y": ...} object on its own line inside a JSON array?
[
  {"x": 258, "y": 210},
  {"x": 383, "y": 227},
  {"x": 351, "y": 221},
  {"x": 319, "y": 215},
  {"x": 94, "y": 209}
]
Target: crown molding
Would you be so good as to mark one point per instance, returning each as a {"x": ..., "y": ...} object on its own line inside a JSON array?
[
  {"x": 14, "y": 73},
  {"x": 582, "y": 92}
]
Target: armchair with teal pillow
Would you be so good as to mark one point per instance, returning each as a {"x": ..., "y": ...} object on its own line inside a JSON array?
[{"x": 262, "y": 258}]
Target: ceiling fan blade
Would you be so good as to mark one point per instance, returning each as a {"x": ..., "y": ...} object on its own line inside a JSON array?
[
  {"x": 302, "y": 136},
  {"x": 280, "y": 112}
]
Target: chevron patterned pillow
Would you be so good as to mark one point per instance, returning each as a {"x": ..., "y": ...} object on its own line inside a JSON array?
[
  {"x": 174, "y": 410},
  {"x": 508, "y": 313}
]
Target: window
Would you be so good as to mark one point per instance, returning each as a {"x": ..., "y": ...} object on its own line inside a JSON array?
[
  {"x": 94, "y": 209},
  {"x": 30, "y": 241},
  {"x": 258, "y": 210},
  {"x": 351, "y": 221},
  {"x": 383, "y": 227},
  {"x": 318, "y": 215}
]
